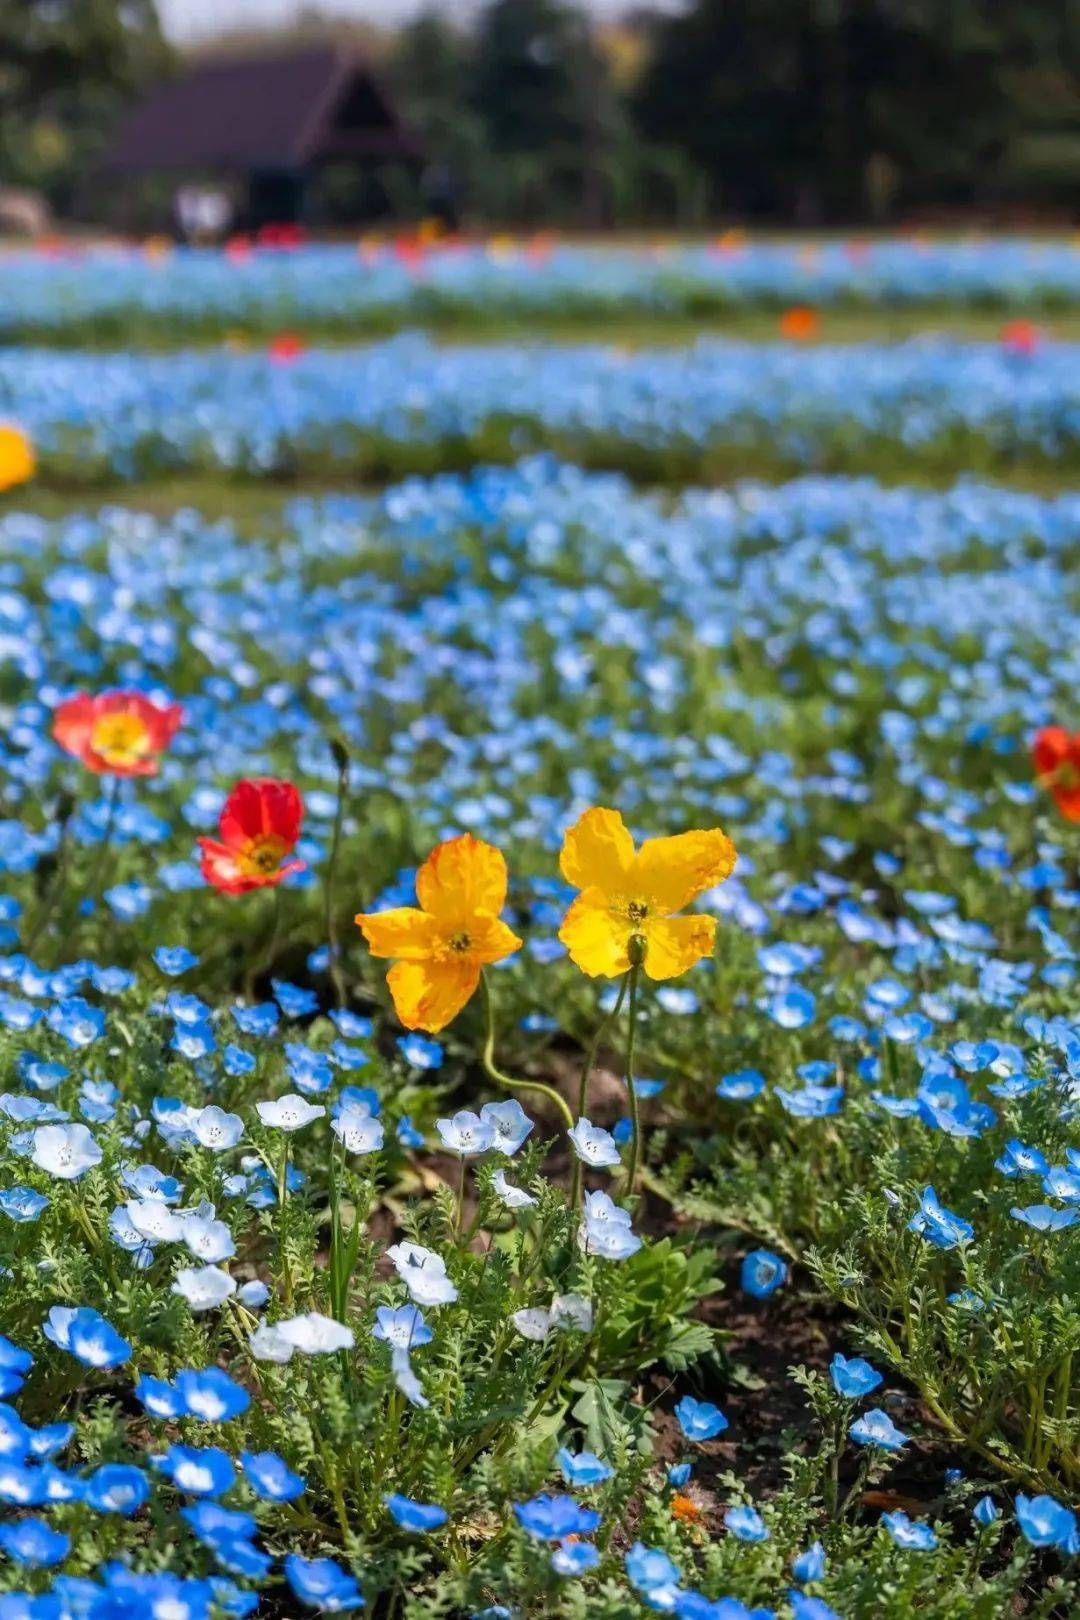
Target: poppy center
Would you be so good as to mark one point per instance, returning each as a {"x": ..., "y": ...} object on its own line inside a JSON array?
[
  {"x": 460, "y": 942},
  {"x": 120, "y": 739},
  {"x": 637, "y": 911},
  {"x": 262, "y": 856}
]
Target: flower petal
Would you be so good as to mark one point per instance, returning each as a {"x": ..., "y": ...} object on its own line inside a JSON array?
[
  {"x": 427, "y": 995},
  {"x": 261, "y": 806},
  {"x": 673, "y": 944},
  {"x": 491, "y": 940},
  {"x": 670, "y": 872},
  {"x": 597, "y": 852},
  {"x": 460, "y": 878},
  {"x": 404, "y": 932},
  {"x": 595, "y": 936}
]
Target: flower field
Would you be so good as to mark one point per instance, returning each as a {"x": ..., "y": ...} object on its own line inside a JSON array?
[{"x": 538, "y": 958}]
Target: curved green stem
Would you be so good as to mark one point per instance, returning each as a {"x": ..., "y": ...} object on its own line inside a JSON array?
[
  {"x": 505, "y": 1080},
  {"x": 48, "y": 901},
  {"x": 265, "y": 960},
  {"x": 587, "y": 1068},
  {"x": 635, "y": 1118}
]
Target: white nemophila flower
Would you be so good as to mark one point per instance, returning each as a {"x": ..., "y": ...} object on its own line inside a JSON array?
[
  {"x": 513, "y": 1197},
  {"x": 424, "y": 1274},
  {"x": 572, "y": 1311},
  {"x": 254, "y": 1294},
  {"x": 600, "y": 1208},
  {"x": 403, "y": 1326},
  {"x": 533, "y": 1324},
  {"x": 315, "y": 1335},
  {"x": 204, "y": 1287},
  {"x": 466, "y": 1133},
  {"x": 359, "y": 1133},
  {"x": 213, "y": 1128},
  {"x": 65, "y": 1151},
  {"x": 405, "y": 1379},
  {"x": 593, "y": 1145},
  {"x": 289, "y": 1113},
  {"x": 510, "y": 1123},
  {"x": 610, "y": 1240},
  {"x": 208, "y": 1240},
  {"x": 154, "y": 1220},
  {"x": 267, "y": 1344}
]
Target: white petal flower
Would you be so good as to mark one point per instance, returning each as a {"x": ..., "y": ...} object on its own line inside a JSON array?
[
  {"x": 572, "y": 1311},
  {"x": 532, "y": 1324},
  {"x": 360, "y": 1133},
  {"x": 289, "y": 1113},
  {"x": 315, "y": 1335},
  {"x": 269, "y": 1344},
  {"x": 513, "y": 1197},
  {"x": 204, "y": 1287}
]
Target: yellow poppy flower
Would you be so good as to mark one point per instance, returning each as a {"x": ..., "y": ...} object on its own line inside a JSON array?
[
  {"x": 440, "y": 948},
  {"x": 629, "y": 896},
  {"x": 16, "y": 456}
]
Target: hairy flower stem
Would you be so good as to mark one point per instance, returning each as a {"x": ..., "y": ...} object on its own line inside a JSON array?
[
  {"x": 65, "y": 811},
  {"x": 266, "y": 958},
  {"x": 337, "y": 978},
  {"x": 100, "y": 869},
  {"x": 635, "y": 1117},
  {"x": 283, "y": 1247},
  {"x": 583, "y": 1088},
  {"x": 506, "y": 1080}
]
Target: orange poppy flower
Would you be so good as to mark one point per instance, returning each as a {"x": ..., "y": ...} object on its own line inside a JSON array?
[
  {"x": 16, "y": 456},
  {"x": 1057, "y": 762},
  {"x": 116, "y": 733},
  {"x": 259, "y": 826},
  {"x": 440, "y": 948},
  {"x": 800, "y": 323},
  {"x": 629, "y": 896},
  {"x": 685, "y": 1510}
]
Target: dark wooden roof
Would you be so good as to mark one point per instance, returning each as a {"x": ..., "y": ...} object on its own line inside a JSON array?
[{"x": 278, "y": 111}]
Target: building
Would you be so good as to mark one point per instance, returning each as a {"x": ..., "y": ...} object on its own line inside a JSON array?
[{"x": 272, "y": 139}]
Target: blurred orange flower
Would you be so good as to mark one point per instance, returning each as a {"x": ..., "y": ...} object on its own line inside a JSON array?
[
  {"x": 441, "y": 947},
  {"x": 16, "y": 456},
  {"x": 800, "y": 323},
  {"x": 116, "y": 733},
  {"x": 629, "y": 896}
]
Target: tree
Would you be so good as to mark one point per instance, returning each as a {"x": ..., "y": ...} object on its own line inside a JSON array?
[{"x": 67, "y": 69}]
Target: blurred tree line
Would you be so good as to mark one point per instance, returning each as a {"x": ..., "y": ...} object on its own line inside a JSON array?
[
  {"x": 811, "y": 111},
  {"x": 799, "y": 110}
]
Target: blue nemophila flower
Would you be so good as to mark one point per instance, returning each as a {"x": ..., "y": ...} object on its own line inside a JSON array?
[
  {"x": 417, "y": 1517},
  {"x": 1017, "y": 1159},
  {"x": 407, "y": 1134},
  {"x": 807, "y": 1608},
  {"x": 1044, "y": 1521},
  {"x": 85, "y": 1334},
  {"x": 793, "y": 1008},
  {"x": 22, "y": 1203},
  {"x": 909, "y": 1533},
  {"x": 593, "y": 1145},
  {"x": 741, "y": 1086},
  {"x": 14, "y": 1365},
  {"x": 215, "y": 1129},
  {"x": 160, "y": 1398},
  {"x": 402, "y": 1326},
  {"x": 117, "y": 1488},
  {"x": 809, "y": 1565},
  {"x": 812, "y": 1102},
  {"x": 323, "y": 1584},
  {"x": 65, "y": 1151},
  {"x": 762, "y": 1273},
  {"x": 985, "y": 1512},
  {"x": 509, "y": 1123},
  {"x": 173, "y": 960},
  {"x": 293, "y": 999},
  {"x": 34, "y": 1543},
  {"x": 650, "y": 1571},
  {"x": 270, "y": 1476},
  {"x": 938, "y": 1225},
  {"x": 14, "y": 1433},
  {"x": 574, "y": 1558},
  {"x": 552, "y": 1518},
  {"x": 76, "y": 1021},
  {"x": 211, "y": 1395},
  {"x": 853, "y": 1377},
  {"x": 746, "y": 1523},
  {"x": 289, "y": 1113},
  {"x": 259, "y": 1020},
  {"x": 678, "y": 1474},
  {"x": 1063, "y": 1182},
  {"x": 419, "y": 1052},
  {"x": 1044, "y": 1218},
  {"x": 876, "y": 1428},
  {"x": 700, "y": 1420},
  {"x": 582, "y": 1467},
  {"x": 197, "y": 1470},
  {"x": 466, "y": 1133}
]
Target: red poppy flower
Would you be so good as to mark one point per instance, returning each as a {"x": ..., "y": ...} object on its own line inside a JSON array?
[
  {"x": 800, "y": 323},
  {"x": 1021, "y": 337},
  {"x": 1057, "y": 762},
  {"x": 285, "y": 348},
  {"x": 116, "y": 733},
  {"x": 259, "y": 827}
]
